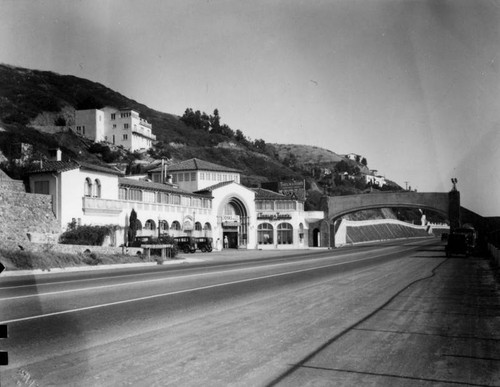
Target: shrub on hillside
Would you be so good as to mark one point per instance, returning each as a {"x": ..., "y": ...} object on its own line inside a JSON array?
[{"x": 108, "y": 156}]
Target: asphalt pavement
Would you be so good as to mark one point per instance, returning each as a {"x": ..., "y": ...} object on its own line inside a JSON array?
[{"x": 440, "y": 330}]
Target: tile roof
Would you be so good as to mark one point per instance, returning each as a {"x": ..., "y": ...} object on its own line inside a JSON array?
[
  {"x": 265, "y": 194},
  {"x": 55, "y": 166},
  {"x": 63, "y": 166},
  {"x": 195, "y": 165},
  {"x": 215, "y": 186},
  {"x": 123, "y": 181},
  {"x": 100, "y": 168}
]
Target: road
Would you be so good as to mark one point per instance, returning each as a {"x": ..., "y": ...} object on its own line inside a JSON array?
[{"x": 245, "y": 323}]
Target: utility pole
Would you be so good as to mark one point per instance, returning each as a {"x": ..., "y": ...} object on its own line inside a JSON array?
[{"x": 406, "y": 185}]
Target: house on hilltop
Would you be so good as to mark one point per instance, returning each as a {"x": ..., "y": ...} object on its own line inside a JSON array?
[{"x": 116, "y": 126}]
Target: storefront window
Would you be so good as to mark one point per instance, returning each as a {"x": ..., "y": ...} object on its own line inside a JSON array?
[
  {"x": 285, "y": 234},
  {"x": 265, "y": 234},
  {"x": 264, "y": 205},
  {"x": 285, "y": 205}
]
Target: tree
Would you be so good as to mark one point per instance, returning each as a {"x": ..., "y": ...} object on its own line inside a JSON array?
[
  {"x": 215, "y": 121},
  {"x": 60, "y": 121},
  {"x": 260, "y": 145},
  {"x": 132, "y": 228},
  {"x": 241, "y": 138},
  {"x": 364, "y": 162}
]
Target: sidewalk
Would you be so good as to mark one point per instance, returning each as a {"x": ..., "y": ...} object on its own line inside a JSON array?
[{"x": 440, "y": 330}]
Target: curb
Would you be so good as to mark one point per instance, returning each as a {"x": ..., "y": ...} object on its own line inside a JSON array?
[{"x": 15, "y": 273}]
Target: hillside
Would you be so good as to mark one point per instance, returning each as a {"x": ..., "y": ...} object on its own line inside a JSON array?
[
  {"x": 32, "y": 99},
  {"x": 307, "y": 154}
]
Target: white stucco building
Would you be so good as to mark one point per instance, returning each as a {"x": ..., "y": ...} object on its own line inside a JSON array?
[
  {"x": 216, "y": 204},
  {"x": 375, "y": 180},
  {"x": 116, "y": 126}
]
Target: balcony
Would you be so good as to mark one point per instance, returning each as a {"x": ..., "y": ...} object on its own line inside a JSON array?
[
  {"x": 102, "y": 207},
  {"x": 145, "y": 123},
  {"x": 141, "y": 131}
]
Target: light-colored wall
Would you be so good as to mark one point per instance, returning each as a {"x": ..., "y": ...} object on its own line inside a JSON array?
[
  {"x": 222, "y": 196},
  {"x": 93, "y": 120},
  {"x": 108, "y": 209},
  {"x": 99, "y": 127},
  {"x": 72, "y": 185},
  {"x": 209, "y": 179}
]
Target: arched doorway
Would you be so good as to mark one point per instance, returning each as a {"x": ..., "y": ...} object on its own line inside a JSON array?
[
  {"x": 316, "y": 237},
  {"x": 234, "y": 222}
]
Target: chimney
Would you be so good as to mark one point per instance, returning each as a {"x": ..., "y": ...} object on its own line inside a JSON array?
[{"x": 162, "y": 180}]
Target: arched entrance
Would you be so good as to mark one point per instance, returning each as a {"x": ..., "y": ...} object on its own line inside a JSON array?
[
  {"x": 316, "y": 237},
  {"x": 234, "y": 222}
]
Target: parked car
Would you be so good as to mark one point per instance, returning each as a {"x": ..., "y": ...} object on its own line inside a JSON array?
[
  {"x": 204, "y": 244},
  {"x": 458, "y": 243},
  {"x": 186, "y": 244},
  {"x": 141, "y": 240},
  {"x": 470, "y": 234}
]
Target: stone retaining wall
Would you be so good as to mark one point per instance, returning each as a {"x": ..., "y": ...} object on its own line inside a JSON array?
[
  {"x": 22, "y": 214},
  {"x": 11, "y": 186}
]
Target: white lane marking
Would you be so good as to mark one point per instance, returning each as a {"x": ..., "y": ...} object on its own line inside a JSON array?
[
  {"x": 179, "y": 292},
  {"x": 410, "y": 243},
  {"x": 173, "y": 278}
]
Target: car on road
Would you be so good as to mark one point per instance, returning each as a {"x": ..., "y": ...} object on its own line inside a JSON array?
[
  {"x": 458, "y": 243},
  {"x": 204, "y": 244},
  {"x": 470, "y": 234},
  {"x": 186, "y": 244}
]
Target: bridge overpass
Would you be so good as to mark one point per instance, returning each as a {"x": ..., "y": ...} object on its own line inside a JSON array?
[
  {"x": 338, "y": 206},
  {"x": 445, "y": 203},
  {"x": 334, "y": 207}
]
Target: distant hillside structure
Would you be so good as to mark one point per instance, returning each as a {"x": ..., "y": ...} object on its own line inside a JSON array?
[
  {"x": 374, "y": 179},
  {"x": 117, "y": 126},
  {"x": 354, "y": 157}
]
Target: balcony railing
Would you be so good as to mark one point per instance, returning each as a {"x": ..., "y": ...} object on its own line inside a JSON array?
[
  {"x": 144, "y": 133},
  {"x": 100, "y": 206},
  {"x": 145, "y": 123},
  {"x": 112, "y": 207}
]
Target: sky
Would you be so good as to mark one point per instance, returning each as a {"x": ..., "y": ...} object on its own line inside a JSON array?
[{"x": 411, "y": 85}]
